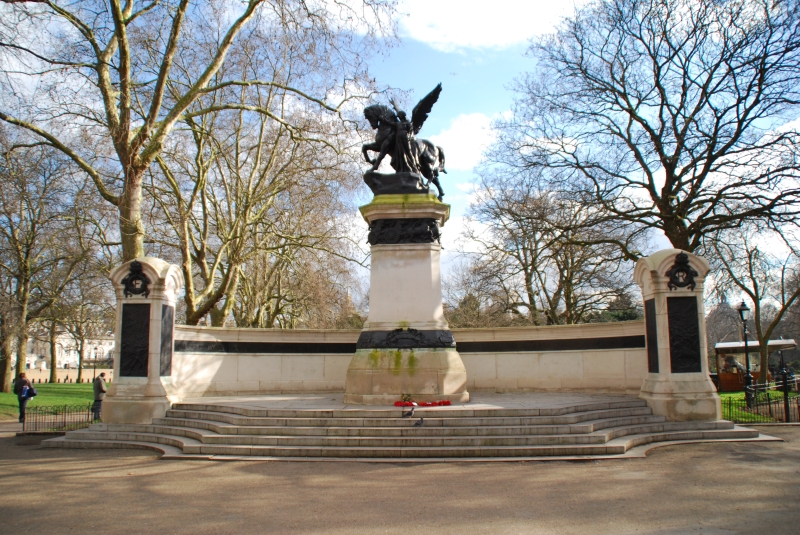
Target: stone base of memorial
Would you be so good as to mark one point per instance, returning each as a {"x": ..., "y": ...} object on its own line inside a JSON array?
[
  {"x": 678, "y": 385},
  {"x": 406, "y": 347},
  {"x": 146, "y": 291}
]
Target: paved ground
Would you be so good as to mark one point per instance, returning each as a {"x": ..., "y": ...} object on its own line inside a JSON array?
[{"x": 713, "y": 489}]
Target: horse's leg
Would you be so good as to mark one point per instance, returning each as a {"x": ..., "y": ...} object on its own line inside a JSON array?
[
  {"x": 374, "y": 147},
  {"x": 424, "y": 160},
  {"x": 436, "y": 162},
  {"x": 383, "y": 151},
  {"x": 435, "y": 182}
]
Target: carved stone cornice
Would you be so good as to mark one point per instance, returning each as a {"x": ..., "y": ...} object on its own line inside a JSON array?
[{"x": 409, "y": 206}]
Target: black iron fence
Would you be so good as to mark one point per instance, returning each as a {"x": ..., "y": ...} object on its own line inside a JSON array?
[
  {"x": 774, "y": 403},
  {"x": 57, "y": 418}
]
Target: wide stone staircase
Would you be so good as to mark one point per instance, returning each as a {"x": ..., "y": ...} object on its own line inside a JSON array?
[{"x": 226, "y": 432}]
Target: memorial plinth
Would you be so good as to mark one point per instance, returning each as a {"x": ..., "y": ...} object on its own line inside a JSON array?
[
  {"x": 677, "y": 386},
  {"x": 406, "y": 346},
  {"x": 147, "y": 289}
]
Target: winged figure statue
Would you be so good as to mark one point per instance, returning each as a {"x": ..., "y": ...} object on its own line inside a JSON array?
[{"x": 395, "y": 136}]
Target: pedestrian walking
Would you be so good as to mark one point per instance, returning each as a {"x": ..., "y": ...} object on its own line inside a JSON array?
[
  {"x": 24, "y": 391},
  {"x": 99, "y": 395}
]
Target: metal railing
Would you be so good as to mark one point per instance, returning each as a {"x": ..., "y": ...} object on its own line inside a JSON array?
[
  {"x": 771, "y": 403},
  {"x": 57, "y": 418}
]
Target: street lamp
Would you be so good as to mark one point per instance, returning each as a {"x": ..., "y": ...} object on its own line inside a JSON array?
[
  {"x": 744, "y": 314},
  {"x": 785, "y": 377}
]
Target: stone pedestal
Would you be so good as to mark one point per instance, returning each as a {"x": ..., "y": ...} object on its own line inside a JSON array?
[
  {"x": 406, "y": 346},
  {"x": 146, "y": 290},
  {"x": 677, "y": 386}
]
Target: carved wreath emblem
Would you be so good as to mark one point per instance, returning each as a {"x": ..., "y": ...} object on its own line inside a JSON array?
[
  {"x": 136, "y": 281},
  {"x": 391, "y": 231},
  {"x": 681, "y": 274},
  {"x": 405, "y": 339}
]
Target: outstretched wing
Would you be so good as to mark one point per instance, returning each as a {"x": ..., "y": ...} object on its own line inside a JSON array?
[{"x": 423, "y": 108}]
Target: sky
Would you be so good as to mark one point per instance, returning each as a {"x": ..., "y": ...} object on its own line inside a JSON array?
[{"x": 476, "y": 53}]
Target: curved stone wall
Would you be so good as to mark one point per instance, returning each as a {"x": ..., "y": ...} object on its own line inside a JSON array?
[{"x": 601, "y": 357}]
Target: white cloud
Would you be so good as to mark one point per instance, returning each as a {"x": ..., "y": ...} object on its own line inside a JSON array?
[
  {"x": 466, "y": 139},
  {"x": 466, "y": 187},
  {"x": 452, "y": 24},
  {"x": 789, "y": 126}
]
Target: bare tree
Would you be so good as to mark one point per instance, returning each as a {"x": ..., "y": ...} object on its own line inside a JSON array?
[
  {"x": 106, "y": 83},
  {"x": 42, "y": 243},
  {"x": 670, "y": 115},
  {"x": 241, "y": 186},
  {"x": 305, "y": 276},
  {"x": 769, "y": 280},
  {"x": 84, "y": 310},
  {"x": 722, "y": 325},
  {"x": 532, "y": 246},
  {"x": 474, "y": 298}
]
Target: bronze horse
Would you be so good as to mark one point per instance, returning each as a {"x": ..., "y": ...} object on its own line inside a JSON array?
[{"x": 395, "y": 136}]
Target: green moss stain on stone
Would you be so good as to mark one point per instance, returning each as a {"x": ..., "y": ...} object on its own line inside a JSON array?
[
  {"x": 374, "y": 358},
  {"x": 398, "y": 362},
  {"x": 404, "y": 198},
  {"x": 412, "y": 363}
]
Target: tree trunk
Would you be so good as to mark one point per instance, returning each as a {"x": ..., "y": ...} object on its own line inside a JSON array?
[
  {"x": 764, "y": 362},
  {"x": 6, "y": 353},
  {"x": 23, "y": 294},
  {"x": 81, "y": 356},
  {"x": 22, "y": 351},
  {"x": 677, "y": 234},
  {"x": 219, "y": 315},
  {"x": 130, "y": 218},
  {"x": 53, "y": 359}
]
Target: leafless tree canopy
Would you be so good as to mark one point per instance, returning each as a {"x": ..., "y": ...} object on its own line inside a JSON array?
[
  {"x": 533, "y": 252},
  {"x": 764, "y": 267},
  {"x": 106, "y": 83},
  {"x": 670, "y": 115},
  {"x": 47, "y": 241}
]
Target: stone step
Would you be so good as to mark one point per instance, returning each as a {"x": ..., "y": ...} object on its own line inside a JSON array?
[
  {"x": 406, "y": 428},
  {"x": 185, "y": 443},
  {"x": 631, "y": 441},
  {"x": 171, "y": 452},
  {"x": 192, "y": 446},
  {"x": 78, "y": 443},
  {"x": 453, "y": 421},
  {"x": 719, "y": 425},
  {"x": 396, "y": 411},
  {"x": 412, "y": 440},
  {"x": 191, "y": 439},
  {"x": 615, "y": 447}
]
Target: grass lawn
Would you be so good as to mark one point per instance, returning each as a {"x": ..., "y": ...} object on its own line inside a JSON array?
[
  {"x": 773, "y": 394},
  {"x": 49, "y": 394},
  {"x": 734, "y": 406}
]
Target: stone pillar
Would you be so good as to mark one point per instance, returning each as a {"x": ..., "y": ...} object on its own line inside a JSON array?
[
  {"x": 677, "y": 386},
  {"x": 406, "y": 346},
  {"x": 146, "y": 290}
]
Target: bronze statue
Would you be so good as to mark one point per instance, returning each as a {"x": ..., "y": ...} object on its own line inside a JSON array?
[{"x": 396, "y": 136}]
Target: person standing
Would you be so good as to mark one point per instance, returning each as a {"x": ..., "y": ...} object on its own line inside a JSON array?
[
  {"x": 99, "y": 394},
  {"x": 24, "y": 391}
]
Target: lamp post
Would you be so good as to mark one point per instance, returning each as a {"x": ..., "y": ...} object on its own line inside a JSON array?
[
  {"x": 784, "y": 377},
  {"x": 744, "y": 314}
]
